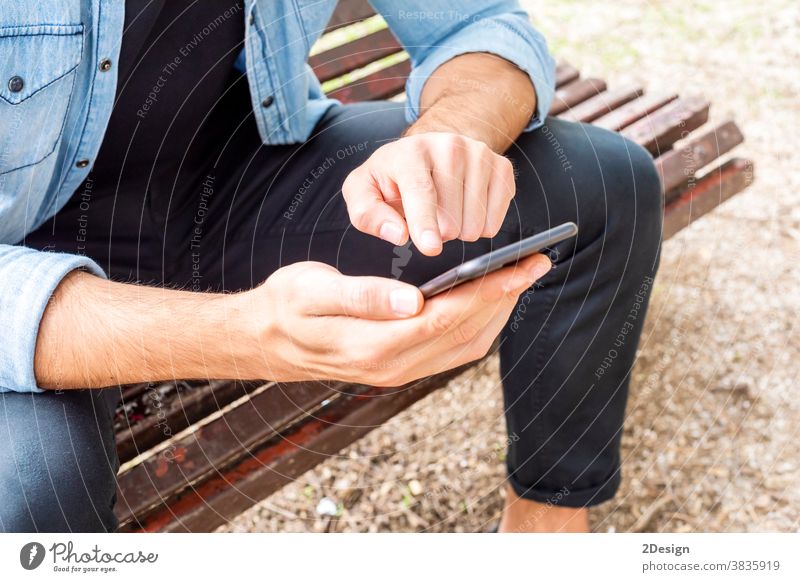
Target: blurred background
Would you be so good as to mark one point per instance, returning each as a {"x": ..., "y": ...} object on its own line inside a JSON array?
[{"x": 711, "y": 441}]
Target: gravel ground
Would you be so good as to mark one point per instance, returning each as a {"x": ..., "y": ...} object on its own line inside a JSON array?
[{"x": 711, "y": 442}]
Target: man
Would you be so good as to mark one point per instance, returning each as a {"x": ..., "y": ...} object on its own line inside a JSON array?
[{"x": 179, "y": 200}]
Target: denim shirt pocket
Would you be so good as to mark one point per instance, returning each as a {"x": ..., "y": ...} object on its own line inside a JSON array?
[{"x": 37, "y": 74}]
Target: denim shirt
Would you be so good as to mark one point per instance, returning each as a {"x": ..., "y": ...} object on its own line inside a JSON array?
[{"x": 58, "y": 82}]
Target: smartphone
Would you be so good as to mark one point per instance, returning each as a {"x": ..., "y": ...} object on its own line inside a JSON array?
[{"x": 497, "y": 259}]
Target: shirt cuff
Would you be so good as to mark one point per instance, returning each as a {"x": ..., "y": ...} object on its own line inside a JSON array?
[
  {"x": 509, "y": 36},
  {"x": 27, "y": 281}
]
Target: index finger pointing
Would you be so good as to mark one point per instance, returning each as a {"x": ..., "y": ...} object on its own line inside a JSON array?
[{"x": 419, "y": 197}]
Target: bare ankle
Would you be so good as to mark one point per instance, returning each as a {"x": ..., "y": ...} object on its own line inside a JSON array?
[{"x": 523, "y": 515}]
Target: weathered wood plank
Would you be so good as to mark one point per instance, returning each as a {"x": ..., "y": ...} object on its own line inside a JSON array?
[
  {"x": 354, "y": 55},
  {"x": 602, "y": 104},
  {"x": 268, "y": 468},
  {"x": 220, "y": 442},
  {"x": 349, "y": 12},
  {"x": 565, "y": 73},
  {"x": 633, "y": 111},
  {"x": 659, "y": 130},
  {"x": 706, "y": 194},
  {"x": 166, "y": 416},
  {"x": 677, "y": 167},
  {"x": 379, "y": 85},
  {"x": 576, "y": 92}
]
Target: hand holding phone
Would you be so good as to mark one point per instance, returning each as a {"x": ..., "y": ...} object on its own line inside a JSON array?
[{"x": 497, "y": 259}]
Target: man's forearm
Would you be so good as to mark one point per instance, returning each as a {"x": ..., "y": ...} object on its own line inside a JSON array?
[
  {"x": 97, "y": 333},
  {"x": 478, "y": 95}
]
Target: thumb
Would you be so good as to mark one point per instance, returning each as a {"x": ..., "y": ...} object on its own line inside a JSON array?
[{"x": 366, "y": 297}]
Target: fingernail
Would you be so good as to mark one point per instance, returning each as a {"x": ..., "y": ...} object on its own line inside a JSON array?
[
  {"x": 392, "y": 233},
  {"x": 404, "y": 301},
  {"x": 540, "y": 269},
  {"x": 430, "y": 239}
]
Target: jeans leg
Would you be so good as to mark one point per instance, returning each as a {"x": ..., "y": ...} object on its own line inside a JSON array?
[
  {"x": 568, "y": 350},
  {"x": 58, "y": 461}
]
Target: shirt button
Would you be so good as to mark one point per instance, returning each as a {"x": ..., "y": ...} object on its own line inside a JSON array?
[
  {"x": 15, "y": 84},
  {"x": 105, "y": 65},
  {"x": 252, "y": 19},
  {"x": 268, "y": 101},
  {"x": 81, "y": 163}
]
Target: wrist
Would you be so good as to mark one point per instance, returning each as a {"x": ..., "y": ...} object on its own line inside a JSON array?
[
  {"x": 249, "y": 327},
  {"x": 430, "y": 123}
]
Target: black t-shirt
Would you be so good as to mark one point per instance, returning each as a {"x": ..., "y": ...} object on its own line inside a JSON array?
[{"x": 176, "y": 63}]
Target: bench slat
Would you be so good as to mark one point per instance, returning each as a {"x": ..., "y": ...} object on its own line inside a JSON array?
[
  {"x": 706, "y": 194},
  {"x": 633, "y": 111},
  {"x": 602, "y": 104},
  {"x": 379, "y": 85},
  {"x": 220, "y": 442},
  {"x": 576, "y": 92},
  {"x": 659, "y": 130},
  {"x": 678, "y": 166},
  {"x": 565, "y": 73},
  {"x": 354, "y": 55},
  {"x": 170, "y": 415},
  {"x": 349, "y": 12}
]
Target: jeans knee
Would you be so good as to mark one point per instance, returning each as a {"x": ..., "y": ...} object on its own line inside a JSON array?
[
  {"x": 636, "y": 204},
  {"x": 47, "y": 496},
  {"x": 57, "y": 465}
]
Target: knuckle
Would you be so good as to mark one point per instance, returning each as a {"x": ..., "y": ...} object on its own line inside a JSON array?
[
  {"x": 299, "y": 276},
  {"x": 421, "y": 182},
  {"x": 377, "y": 353},
  {"x": 449, "y": 228},
  {"x": 449, "y": 232},
  {"x": 359, "y": 215},
  {"x": 360, "y": 297},
  {"x": 505, "y": 166},
  {"x": 507, "y": 176},
  {"x": 485, "y": 153},
  {"x": 453, "y": 150},
  {"x": 471, "y": 233},
  {"x": 441, "y": 323},
  {"x": 447, "y": 169},
  {"x": 465, "y": 333},
  {"x": 417, "y": 147}
]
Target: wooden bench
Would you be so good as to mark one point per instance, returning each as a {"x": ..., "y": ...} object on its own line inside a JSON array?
[{"x": 196, "y": 454}]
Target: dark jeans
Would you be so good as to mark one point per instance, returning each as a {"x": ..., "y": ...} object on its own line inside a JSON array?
[{"x": 566, "y": 354}]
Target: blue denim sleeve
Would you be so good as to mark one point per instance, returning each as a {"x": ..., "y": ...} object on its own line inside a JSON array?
[
  {"x": 435, "y": 31},
  {"x": 27, "y": 281}
]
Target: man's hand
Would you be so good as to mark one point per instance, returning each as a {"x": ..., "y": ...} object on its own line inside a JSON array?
[
  {"x": 435, "y": 187},
  {"x": 446, "y": 178},
  {"x": 306, "y": 322},
  {"x": 310, "y": 322}
]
